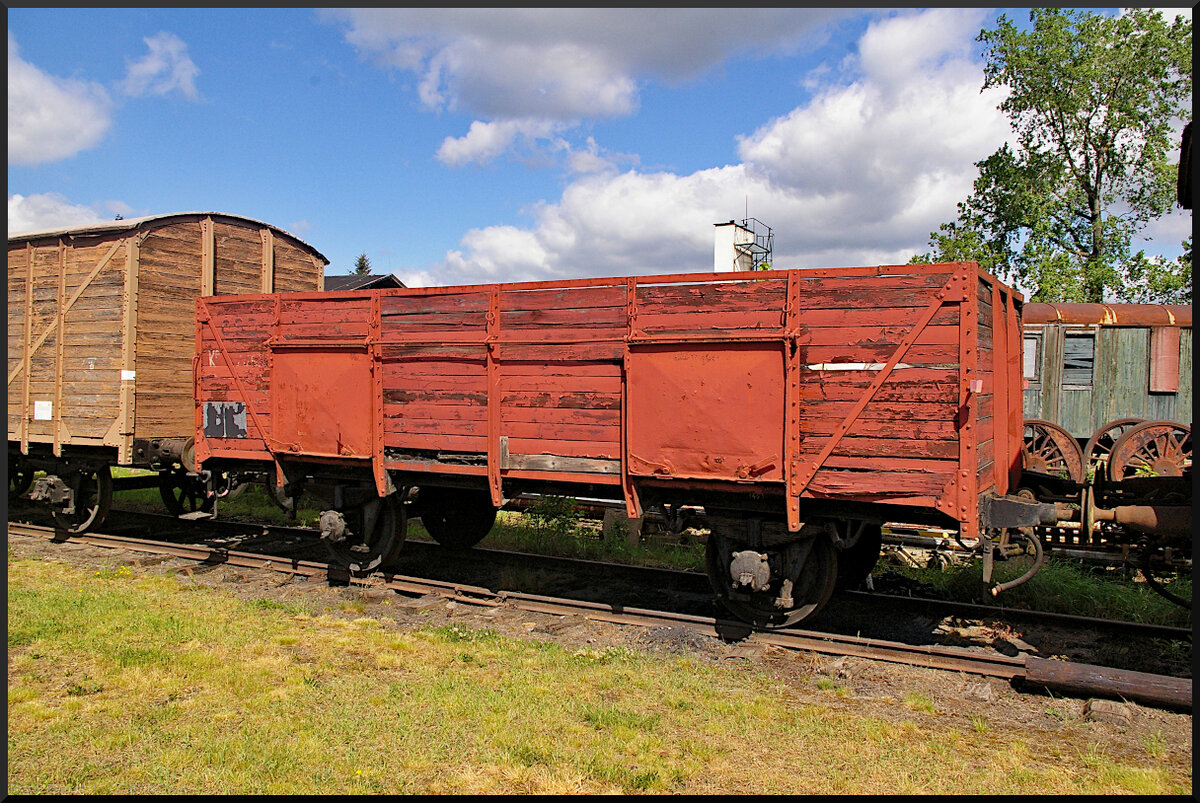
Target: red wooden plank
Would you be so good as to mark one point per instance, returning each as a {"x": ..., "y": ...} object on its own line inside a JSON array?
[
  {"x": 446, "y": 443},
  {"x": 834, "y": 297},
  {"x": 596, "y": 317},
  {"x": 560, "y": 399},
  {"x": 872, "y": 447},
  {"x": 561, "y": 297},
  {"x": 881, "y": 285},
  {"x": 876, "y": 335},
  {"x": 400, "y": 397},
  {"x": 510, "y": 370},
  {"x": 882, "y": 410},
  {"x": 729, "y": 297},
  {"x": 414, "y": 410},
  {"x": 395, "y": 425},
  {"x": 868, "y": 316},
  {"x": 322, "y": 330},
  {"x": 610, "y": 351},
  {"x": 892, "y": 463},
  {"x": 919, "y": 354},
  {"x": 867, "y": 484},
  {"x": 564, "y": 448},
  {"x": 607, "y": 385},
  {"x": 425, "y": 301},
  {"x": 688, "y": 320},
  {"x": 550, "y": 417}
]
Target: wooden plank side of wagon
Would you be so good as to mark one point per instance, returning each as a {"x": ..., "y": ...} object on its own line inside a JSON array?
[{"x": 910, "y": 351}]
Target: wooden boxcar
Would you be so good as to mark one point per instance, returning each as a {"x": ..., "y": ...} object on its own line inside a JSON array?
[
  {"x": 800, "y": 408},
  {"x": 101, "y": 340}
]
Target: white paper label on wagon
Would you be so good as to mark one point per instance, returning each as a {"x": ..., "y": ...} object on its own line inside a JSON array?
[
  {"x": 853, "y": 366},
  {"x": 128, "y": 376},
  {"x": 43, "y": 411}
]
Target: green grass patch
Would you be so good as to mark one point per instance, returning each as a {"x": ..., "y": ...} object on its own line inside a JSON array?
[
  {"x": 1062, "y": 586},
  {"x": 554, "y": 525},
  {"x": 121, "y": 683}
]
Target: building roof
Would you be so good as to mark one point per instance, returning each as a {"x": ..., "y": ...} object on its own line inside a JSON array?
[
  {"x": 364, "y": 281},
  {"x": 149, "y": 221}
]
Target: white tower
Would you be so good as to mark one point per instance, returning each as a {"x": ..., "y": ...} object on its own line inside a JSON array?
[{"x": 740, "y": 246}]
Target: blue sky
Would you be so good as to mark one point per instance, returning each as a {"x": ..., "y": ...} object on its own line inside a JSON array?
[{"x": 462, "y": 145}]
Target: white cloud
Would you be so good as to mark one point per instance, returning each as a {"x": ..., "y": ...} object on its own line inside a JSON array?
[
  {"x": 51, "y": 118},
  {"x": 562, "y": 65},
  {"x": 485, "y": 141},
  {"x": 166, "y": 68},
  {"x": 859, "y": 175},
  {"x": 46, "y": 211}
]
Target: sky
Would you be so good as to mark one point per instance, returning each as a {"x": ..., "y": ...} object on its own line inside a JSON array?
[{"x": 465, "y": 146}]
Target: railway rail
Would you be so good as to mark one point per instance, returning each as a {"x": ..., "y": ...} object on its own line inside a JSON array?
[{"x": 1061, "y": 676}]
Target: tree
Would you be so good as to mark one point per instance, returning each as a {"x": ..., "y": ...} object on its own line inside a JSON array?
[
  {"x": 1092, "y": 102},
  {"x": 362, "y": 266}
]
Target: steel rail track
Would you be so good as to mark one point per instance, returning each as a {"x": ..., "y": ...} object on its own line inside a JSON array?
[
  {"x": 1157, "y": 690},
  {"x": 944, "y": 607}
]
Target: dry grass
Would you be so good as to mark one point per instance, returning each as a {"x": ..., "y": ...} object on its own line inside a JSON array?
[{"x": 125, "y": 683}]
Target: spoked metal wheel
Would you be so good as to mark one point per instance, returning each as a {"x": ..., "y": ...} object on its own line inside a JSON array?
[
  {"x": 814, "y": 565},
  {"x": 1051, "y": 450},
  {"x": 93, "y": 498},
  {"x": 372, "y": 537},
  {"x": 1100, "y": 445},
  {"x": 183, "y": 494},
  {"x": 456, "y": 518},
  {"x": 1151, "y": 449}
]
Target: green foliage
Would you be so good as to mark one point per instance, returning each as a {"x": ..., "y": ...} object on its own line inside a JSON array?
[
  {"x": 1062, "y": 586},
  {"x": 1092, "y": 100},
  {"x": 555, "y": 515},
  {"x": 362, "y": 266}
]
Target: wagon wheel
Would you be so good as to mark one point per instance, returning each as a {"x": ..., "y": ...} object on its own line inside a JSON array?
[
  {"x": 93, "y": 498},
  {"x": 1049, "y": 449},
  {"x": 20, "y": 477},
  {"x": 812, "y": 587},
  {"x": 183, "y": 494},
  {"x": 456, "y": 518},
  {"x": 1152, "y": 449},
  {"x": 376, "y": 532},
  {"x": 856, "y": 562},
  {"x": 1100, "y": 445}
]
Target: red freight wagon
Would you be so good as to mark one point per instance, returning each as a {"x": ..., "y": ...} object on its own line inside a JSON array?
[{"x": 801, "y": 409}]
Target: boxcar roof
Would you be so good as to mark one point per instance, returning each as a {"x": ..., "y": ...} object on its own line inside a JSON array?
[
  {"x": 1110, "y": 314},
  {"x": 150, "y": 221}
]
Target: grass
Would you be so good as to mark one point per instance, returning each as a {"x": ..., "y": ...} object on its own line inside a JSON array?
[
  {"x": 1063, "y": 586},
  {"x": 130, "y": 683}
]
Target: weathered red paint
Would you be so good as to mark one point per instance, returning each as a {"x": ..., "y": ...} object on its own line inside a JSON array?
[{"x": 895, "y": 384}]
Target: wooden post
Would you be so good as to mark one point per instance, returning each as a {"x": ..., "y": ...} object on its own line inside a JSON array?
[
  {"x": 268, "y": 261},
  {"x": 25, "y": 412},
  {"x": 129, "y": 304},
  {"x": 208, "y": 257},
  {"x": 61, "y": 314}
]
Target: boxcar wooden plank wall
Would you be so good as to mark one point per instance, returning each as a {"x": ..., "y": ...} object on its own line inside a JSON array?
[
  {"x": 100, "y": 351},
  {"x": 169, "y": 280}
]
